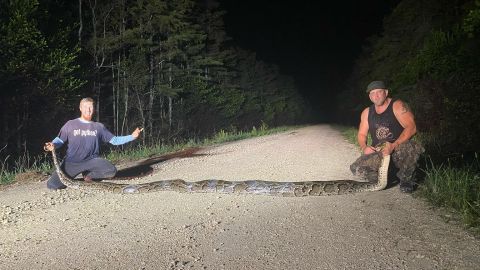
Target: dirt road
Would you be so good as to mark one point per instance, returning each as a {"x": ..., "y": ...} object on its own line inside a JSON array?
[{"x": 69, "y": 229}]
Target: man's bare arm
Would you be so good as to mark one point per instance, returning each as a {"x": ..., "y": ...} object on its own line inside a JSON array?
[
  {"x": 363, "y": 133},
  {"x": 406, "y": 118}
]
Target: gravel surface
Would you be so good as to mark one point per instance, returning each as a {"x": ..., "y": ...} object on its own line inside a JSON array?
[{"x": 70, "y": 229}]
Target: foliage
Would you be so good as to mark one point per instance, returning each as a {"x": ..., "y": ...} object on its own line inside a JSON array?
[
  {"x": 37, "y": 74},
  {"x": 178, "y": 75},
  {"x": 22, "y": 164},
  {"x": 428, "y": 54},
  {"x": 222, "y": 136},
  {"x": 350, "y": 134},
  {"x": 6, "y": 175},
  {"x": 30, "y": 62},
  {"x": 471, "y": 23},
  {"x": 456, "y": 188}
]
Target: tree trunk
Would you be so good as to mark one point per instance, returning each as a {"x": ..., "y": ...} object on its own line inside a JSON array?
[
  {"x": 5, "y": 135},
  {"x": 170, "y": 84},
  {"x": 97, "y": 90},
  {"x": 170, "y": 112},
  {"x": 162, "y": 99},
  {"x": 125, "y": 97},
  {"x": 151, "y": 95},
  {"x": 118, "y": 95},
  {"x": 81, "y": 22},
  {"x": 140, "y": 109},
  {"x": 125, "y": 86},
  {"x": 114, "y": 102}
]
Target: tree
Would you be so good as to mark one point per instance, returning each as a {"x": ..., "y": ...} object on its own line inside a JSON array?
[{"x": 37, "y": 73}]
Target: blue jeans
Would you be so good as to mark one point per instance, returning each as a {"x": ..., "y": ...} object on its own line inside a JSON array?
[{"x": 95, "y": 168}]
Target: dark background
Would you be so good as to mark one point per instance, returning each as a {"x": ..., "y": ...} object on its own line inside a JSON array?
[{"x": 314, "y": 41}]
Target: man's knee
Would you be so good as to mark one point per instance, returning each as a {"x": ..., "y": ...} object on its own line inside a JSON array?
[
  {"x": 410, "y": 148},
  {"x": 104, "y": 169},
  {"x": 111, "y": 172},
  {"x": 100, "y": 168},
  {"x": 407, "y": 153}
]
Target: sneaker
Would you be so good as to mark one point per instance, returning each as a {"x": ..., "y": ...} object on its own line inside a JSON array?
[
  {"x": 53, "y": 184},
  {"x": 406, "y": 187}
]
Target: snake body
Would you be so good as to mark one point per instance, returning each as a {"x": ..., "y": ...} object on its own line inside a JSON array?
[{"x": 295, "y": 189}]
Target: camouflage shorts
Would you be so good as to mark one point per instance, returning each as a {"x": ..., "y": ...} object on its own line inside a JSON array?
[{"x": 404, "y": 159}]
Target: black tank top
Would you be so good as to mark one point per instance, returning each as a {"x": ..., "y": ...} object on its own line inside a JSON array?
[{"x": 383, "y": 127}]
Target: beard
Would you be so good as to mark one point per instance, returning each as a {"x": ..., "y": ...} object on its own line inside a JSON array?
[
  {"x": 87, "y": 117},
  {"x": 380, "y": 102}
]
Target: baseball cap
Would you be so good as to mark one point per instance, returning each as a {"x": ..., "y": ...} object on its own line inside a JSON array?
[{"x": 376, "y": 85}]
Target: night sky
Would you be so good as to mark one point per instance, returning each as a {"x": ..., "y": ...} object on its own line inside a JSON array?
[{"x": 314, "y": 41}]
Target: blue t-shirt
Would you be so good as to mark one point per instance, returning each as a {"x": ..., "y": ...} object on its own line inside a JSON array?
[{"x": 83, "y": 139}]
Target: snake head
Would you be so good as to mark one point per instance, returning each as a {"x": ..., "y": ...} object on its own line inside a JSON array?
[{"x": 379, "y": 147}]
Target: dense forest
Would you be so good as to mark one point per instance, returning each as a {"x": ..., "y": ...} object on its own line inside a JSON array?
[
  {"x": 429, "y": 53},
  {"x": 167, "y": 66}
]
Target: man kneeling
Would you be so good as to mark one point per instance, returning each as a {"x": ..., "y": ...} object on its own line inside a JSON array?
[
  {"x": 390, "y": 122},
  {"x": 83, "y": 137}
]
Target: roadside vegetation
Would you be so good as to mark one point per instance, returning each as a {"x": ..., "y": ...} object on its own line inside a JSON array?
[
  {"x": 9, "y": 169},
  {"x": 453, "y": 184},
  {"x": 142, "y": 151}
]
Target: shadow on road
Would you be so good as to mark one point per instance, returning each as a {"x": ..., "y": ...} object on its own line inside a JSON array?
[{"x": 144, "y": 167}]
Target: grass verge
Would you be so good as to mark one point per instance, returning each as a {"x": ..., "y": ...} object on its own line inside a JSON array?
[
  {"x": 454, "y": 188},
  {"x": 23, "y": 164},
  {"x": 142, "y": 151}
]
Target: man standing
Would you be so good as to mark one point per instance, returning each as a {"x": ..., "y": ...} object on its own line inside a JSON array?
[
  {"x": 390, "y": 122},
  {"x": 83, "y": 137}
]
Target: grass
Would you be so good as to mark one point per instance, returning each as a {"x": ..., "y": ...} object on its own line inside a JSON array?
[
  {"x": 6, "y": 175},
  {"x": 456, "y": 188},
  {"x": 143, "y": 151},
  {"x": 22, "y": 164},
  {"x": 222, "y": 136},
  {"x": 233, "y": 135},
  {"x": 350, "y": 133},
  {"x": 44, "y": 164}
]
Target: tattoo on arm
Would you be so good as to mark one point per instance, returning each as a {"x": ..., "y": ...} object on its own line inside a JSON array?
[{"x": 405, "y": 108}]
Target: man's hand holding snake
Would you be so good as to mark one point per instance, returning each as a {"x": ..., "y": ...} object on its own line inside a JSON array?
[{"x": 48, "y": 147}]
